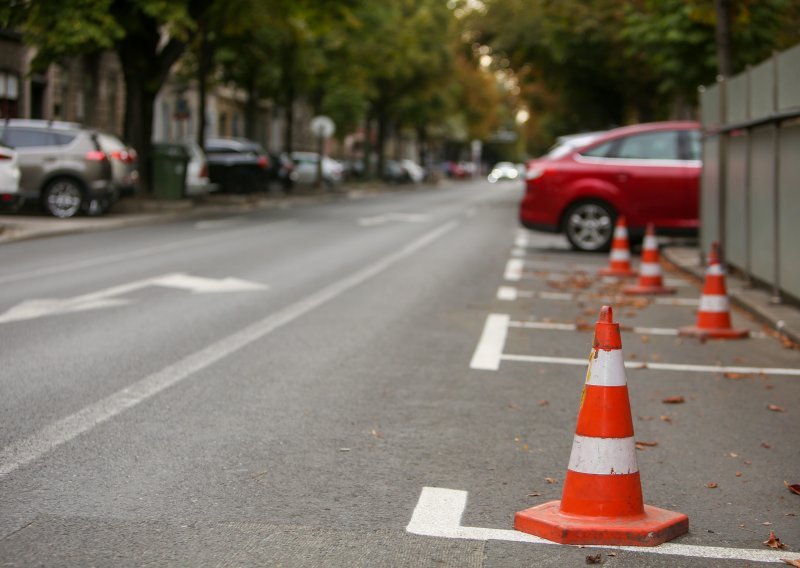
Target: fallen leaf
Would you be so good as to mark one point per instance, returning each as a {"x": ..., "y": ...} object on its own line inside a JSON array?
[
  {"x": 534, "y": 494},
  {"x": 733, "y": 455},
  {"x": 543, "y": 402},
  {"x": 776, "y": 408},
  {"x": 794, "y": 488},
  {"x": 674, "y": 400},
  {"x": 711, "y": 485},
  {"x": 736, "y": 376},
  {"x": 377, "y": 434},
  {"x": 665, "y": 418},
  {"x": 738, "y": 474},
  {"x": 791, "y": 562},
  {"x": 641, "y": 445},
  {"x": 747, "y": 462},
  {"x": 550, "y": 480},
  {"x": 645, "y": 418},
  {"x": 766, "y": 523},
  {"x": 612, "y": 554},
  {"x": 596, "y": 559},
  {"x": 774, "y": 542}
]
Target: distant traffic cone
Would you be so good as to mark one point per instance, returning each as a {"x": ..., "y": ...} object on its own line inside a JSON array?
[
  {"x": 602, "y": 498},
  {"x": 713, "y": 316},
  {"x": 620, "y": 259},
  {"x": 650, "y": 281}
]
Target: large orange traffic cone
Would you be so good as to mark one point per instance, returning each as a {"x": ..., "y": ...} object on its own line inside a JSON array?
[
  {"x": 620, "y": 260},
  {"x": 602, "y": 498},
  {"x": 650, "y": 281},
  {"x": 713, "y": 316}
]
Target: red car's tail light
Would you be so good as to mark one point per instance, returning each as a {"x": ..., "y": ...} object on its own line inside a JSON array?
[
  {"x": 4, "y": 156},
  {"x": 204, "y": 170},
  {"x": 95, "y": 156},
  {"x": 263, "y": 162},
  {"x": 124, "y": 156}
]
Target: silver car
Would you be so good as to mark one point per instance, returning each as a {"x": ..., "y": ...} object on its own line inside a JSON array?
[{"x": 62, "y": 164}]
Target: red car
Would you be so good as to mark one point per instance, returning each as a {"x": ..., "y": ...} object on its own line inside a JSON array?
[{"x": 647, "y": 172}]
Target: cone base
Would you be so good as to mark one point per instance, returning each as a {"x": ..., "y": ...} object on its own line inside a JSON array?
[
  {"x": 622, "y": 273},
  {"x": 638, "y": 290},
  {"x": 652, "y": 528},
  {"x": 714, "y": 332}
]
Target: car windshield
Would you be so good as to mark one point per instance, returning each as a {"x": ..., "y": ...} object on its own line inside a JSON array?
[{"x": 567, "y": 144}]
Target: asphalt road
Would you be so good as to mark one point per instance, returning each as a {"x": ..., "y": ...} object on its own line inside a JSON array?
[{"x": 278, "y": 388}]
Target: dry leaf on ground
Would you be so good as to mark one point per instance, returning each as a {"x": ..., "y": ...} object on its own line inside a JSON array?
[
  {"x": 596, "y": 559},
  {"x": 766, "y": 445},
  {"x": 641, "y": 445},
  {"x": 791, "y": 562},
  {"x": 712, "y": 485},
  {"x": 794, "y": 487},
  {"x": 665, "y": 418},
  {"x": 534, "y": 494},
  {"x": 774, "y": 542},
  {"x": 776, "y": 408},
  {"x": 674, "y": 400},
  {"x": 550, "y": 480},
  {"x": 543, "y": 402}
]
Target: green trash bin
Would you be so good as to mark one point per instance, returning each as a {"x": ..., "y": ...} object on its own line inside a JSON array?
[{"x": 169, "y": 170}]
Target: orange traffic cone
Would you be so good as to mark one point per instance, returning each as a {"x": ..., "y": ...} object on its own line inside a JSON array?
[
  {"x": 713, "y": 317},
  {"x": 650, "y": 281},
  {"x": 620, "y": 260},
  {"x": 602, "y": 498}
]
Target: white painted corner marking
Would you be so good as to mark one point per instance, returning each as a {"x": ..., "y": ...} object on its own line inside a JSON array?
[
  {"x": 513, "y": 271},
  {"x": 438, "y": 514},
  {"x": 490, "y": 346}
]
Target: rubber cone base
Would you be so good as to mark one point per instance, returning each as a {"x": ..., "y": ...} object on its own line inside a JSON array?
[
  {"x": 714, "y": 332},
  {"x": 621, "y": 272},
  {"x": 652, "y": 528},
  {"x": 638, "y": 290}
]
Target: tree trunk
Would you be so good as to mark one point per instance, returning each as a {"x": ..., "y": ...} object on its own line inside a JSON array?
[
  {"x": 367, "y": 145},
  {"x": 203, "y": 71},
  {"x": 251, "y": 109},
  {"x": 139, "y": 126},
  {"x": 381, "y": 142},
  {"x": 422, "y": 141},
  {"x": 724, "y": 47}
]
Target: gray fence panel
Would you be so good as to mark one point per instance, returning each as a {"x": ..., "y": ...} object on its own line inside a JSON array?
[
  {"x": 762, "y": 90},
  {"x": 736, "y": 104},
  {"x": 789, "y": 75},
  {"x": 709, "y": 194},
  {"x": 789, "y": 210},
  {"x": 735, "y": 243},
  {"x": 762, "y": 203}
]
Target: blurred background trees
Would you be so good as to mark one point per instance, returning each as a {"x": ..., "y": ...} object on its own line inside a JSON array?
[{"x": 513, "y": 73}]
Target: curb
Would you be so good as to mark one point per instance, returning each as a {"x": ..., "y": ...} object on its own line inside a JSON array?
[{"x": 782, "y": 319}]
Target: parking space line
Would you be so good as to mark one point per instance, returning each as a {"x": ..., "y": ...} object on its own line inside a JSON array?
[
  {"x": 510, "y": 294},
  {"x": 640, "y": 365},
  {"x": 439, "y": 511},
  {"x": 513, "y": 270},
  {"x": 490, "y": 347}
]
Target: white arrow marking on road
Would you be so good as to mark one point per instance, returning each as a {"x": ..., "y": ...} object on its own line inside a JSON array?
[
  {"x": 32, "y": 309},
  {"x": 389, "y": 217},
  {"x": 438, "y": 514}
]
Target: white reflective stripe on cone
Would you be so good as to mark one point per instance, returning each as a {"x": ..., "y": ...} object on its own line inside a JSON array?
[
  {"x": 650, "y": 269},
  {"x": 603, "y": 456},
  {"x": 606, "y": 369},
  {"x": 620, "y": 254},
  {"x": 650, "y": 242},
  {"x": 714, "y": 303},
  {"x": 715, "y": 270},
  {"x": 621, "y": 233}
]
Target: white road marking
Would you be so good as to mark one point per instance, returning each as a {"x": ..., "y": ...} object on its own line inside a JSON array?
[
  {"x": 390, "y": 217},
  {"x": 518, "y": 253},
  {"x": 522, "y": 240},
  {"x": 513, "y": 270},
  {"x": 510, "y": 293},
  {"x": 635, "y": 329},
  {"x": 25, "y": 451},
  {"x": 123, "y": 256},
  {"x": 439, "y": 511},
  {"x": 490, "y": 347},
  {"x": 637, "y": 365},
  {"x": 32, "y": 309}
]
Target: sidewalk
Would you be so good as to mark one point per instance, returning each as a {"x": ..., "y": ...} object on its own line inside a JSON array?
[{"x": 782, "y": 318}]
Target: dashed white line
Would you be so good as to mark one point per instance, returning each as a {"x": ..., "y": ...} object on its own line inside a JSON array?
[{"x": 490, "y": 347}]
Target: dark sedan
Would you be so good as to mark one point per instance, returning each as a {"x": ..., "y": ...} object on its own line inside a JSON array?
[{"x": 239, "y": 165}]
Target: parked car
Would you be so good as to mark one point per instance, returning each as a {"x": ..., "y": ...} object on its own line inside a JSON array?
[
  {"x": 284, "y": 170},
  {"x": 63, "y": 165},
  {"x": 306, "y": 169},
  {"x": 647, "y": 172},
  {"x": 9, "y": 179},
  {"x": 197, "y": 180},
  {"x": 124, "y": 163},
  {"x": 238, "y": 165},
  {"x": 503, "y": 171}
]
